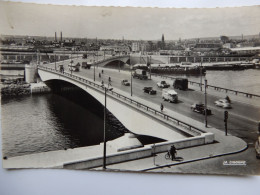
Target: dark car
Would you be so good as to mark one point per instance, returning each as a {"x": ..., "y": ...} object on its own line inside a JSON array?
[
  {"x": 149, "y": 90},
  {"x": 200, "y": 108}
]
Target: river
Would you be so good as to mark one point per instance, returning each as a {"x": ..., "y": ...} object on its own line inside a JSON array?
[{"x": 47, "y": 122}]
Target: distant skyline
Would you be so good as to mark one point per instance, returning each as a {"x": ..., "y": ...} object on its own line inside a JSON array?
[{"x": 130, "y": 23}]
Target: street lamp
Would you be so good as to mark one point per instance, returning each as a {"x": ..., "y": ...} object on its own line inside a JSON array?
[
  {"x": 200, "y": 76},
  {"x": 105, "y": 107},
  {"x": 131, "y": 80},
  {"x": 94, "y": 66},
  {"x": 150, "y": 67},
  {"x": 206, "y": 122},
  {"x": 55, "y": 61}
]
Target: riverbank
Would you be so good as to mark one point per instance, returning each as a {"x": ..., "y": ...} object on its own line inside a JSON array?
[{"x": 15, "y": 89}]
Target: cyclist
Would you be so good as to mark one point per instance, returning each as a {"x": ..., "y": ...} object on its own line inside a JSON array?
[{"x": 173, "y": 152}]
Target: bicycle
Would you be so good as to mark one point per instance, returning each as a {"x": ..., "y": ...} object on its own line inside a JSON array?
[{"x": 168, "y": 155}]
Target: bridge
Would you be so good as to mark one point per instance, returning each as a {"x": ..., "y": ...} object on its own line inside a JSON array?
[
  {"x": 134, "y": 115},
  {"x": 141, "y": 115}
]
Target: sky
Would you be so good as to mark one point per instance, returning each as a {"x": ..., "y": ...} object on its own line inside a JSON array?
[{"x": 130, "y": 23}]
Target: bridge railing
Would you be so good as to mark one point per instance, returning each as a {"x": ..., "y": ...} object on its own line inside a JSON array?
[
  {"x": 220, "y": 89},
  {"x": 191, "y": 128}
]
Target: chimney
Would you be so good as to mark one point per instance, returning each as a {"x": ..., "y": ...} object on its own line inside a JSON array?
[
  {"x": 61, "y": 36},
  {"x": 55, "y": 37}
]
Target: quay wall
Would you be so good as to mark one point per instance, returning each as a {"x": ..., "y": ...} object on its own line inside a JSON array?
[{"x": 139, "y": 153}]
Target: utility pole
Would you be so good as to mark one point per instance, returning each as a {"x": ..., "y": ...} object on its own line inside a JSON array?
[{"x": 206, "y": 122}]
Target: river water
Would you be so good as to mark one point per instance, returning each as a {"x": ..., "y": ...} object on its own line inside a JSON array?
[
  {"x": 46, "y": 122},
  {"x": 245, "y": 81}
]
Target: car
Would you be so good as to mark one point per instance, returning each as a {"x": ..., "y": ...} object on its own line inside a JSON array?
[
  {"x": 163, "y": 84},
  {"x": 257, "y": 148},
  {"x": 149, "y": 90},
  {"x": 200, "y": 108},
  {"x": 125, "y": 82},
  {"x": 224, "y": 103}
]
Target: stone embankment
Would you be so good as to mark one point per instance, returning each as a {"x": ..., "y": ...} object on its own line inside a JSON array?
[{"x": 15, "y": 89}]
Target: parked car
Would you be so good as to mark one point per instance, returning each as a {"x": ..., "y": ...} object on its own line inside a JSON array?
[
  {"x": 125, "y": 82},
  {"x": 149, "y": 90},
  {"x": 200, "y": 108},
  {"x": 223, "y": 103},
  {"x": 163, "y": 84},
  {"x": 257, "y": 148}
]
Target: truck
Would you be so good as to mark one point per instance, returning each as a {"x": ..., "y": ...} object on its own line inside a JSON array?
[
  {"x": 181, "y": 84},
  {"x": 140, "y": 74},
  {"x": 170, "y": 95},
  {"x": 163, "y": 84}
]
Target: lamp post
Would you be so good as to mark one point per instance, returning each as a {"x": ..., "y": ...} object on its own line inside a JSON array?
[
  {"x": 55, "y": 61},
  {"x": 105, "y": 107},
  {"x": 150, "y": 67},
  {"x": 94, "y": 67},
  {"x": 131, "y": 80},
  {"x": 206, "y": 122},
  {"x": 200, "y": 76}
]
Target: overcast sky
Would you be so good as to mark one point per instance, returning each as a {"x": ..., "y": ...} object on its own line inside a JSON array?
[{"x": 132, "y": 23}]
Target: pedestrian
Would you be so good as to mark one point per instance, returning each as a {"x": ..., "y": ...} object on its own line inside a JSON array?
[
  {"x": 228, "y": 99},
  {"x": 109, "y": 81},
  {"x": 99, "y": 75},
  {"x": 173, "y": 152},
  {"x": 161, "y": 107}
]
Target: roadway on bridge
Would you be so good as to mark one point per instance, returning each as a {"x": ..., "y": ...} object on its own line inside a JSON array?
[{"x": 243, "y": 116}]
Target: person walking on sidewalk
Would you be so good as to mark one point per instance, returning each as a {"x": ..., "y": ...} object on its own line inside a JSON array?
[
  {"x": 161, "y": 107},
  {"x": 173, "y": 152}
]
